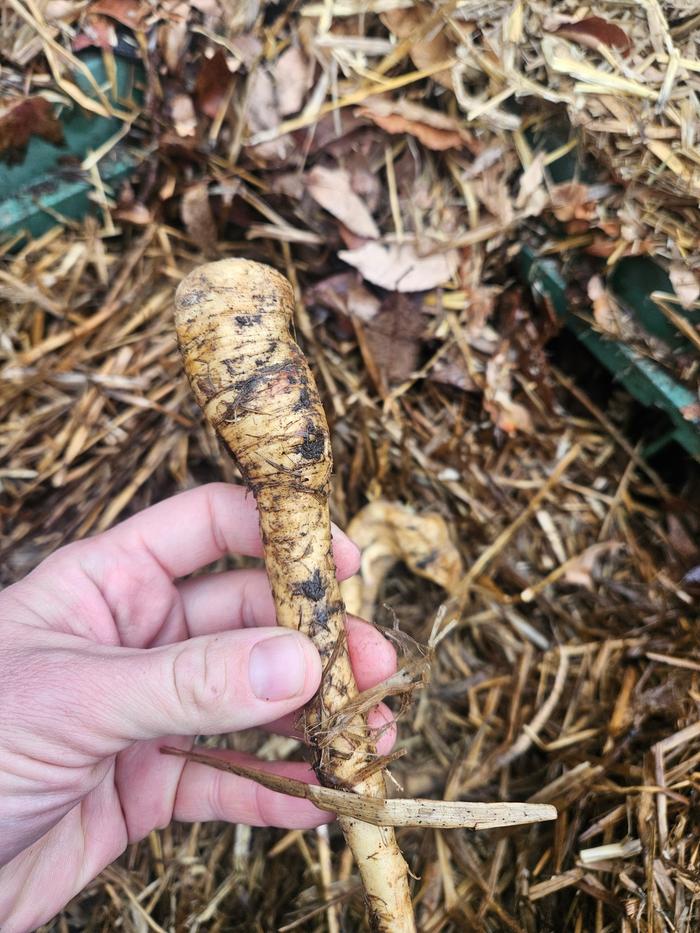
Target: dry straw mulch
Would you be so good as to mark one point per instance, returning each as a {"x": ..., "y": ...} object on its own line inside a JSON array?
[{"x": 389, "y": 158}]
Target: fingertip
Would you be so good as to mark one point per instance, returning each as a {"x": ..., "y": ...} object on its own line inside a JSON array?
[
  {"x": 372, "y": 655},
  {"x": 284, "y": 665},
  {"x": 346, "y": 553}
]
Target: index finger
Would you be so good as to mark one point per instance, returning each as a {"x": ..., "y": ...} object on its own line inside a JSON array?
[{"x": 197, "y": 527}]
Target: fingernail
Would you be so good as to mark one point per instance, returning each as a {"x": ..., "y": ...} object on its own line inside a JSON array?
[{"x": 277, "y": 668}]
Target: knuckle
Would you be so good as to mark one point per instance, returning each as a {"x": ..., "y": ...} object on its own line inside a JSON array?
[
  {"x": 76, "y": 554},
  {"x": 201, "y": 678},
  {"x": 216, "y": 796},
  {"x": 214, "y": 494},
  {"x": 265, "y": 809}
]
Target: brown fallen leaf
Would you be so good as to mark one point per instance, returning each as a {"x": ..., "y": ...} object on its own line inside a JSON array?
[
  {"x": 293, "y": 76},
  {"x": 389, "y": 532},
  {"x": 246, "y": 46},
  {"x": 393, "y": 337},
  {"x": 20, "y": 120},
  {"x": 685, "y": 284},
  {"x": 492, "y": 190},
  {"x": 131, "y": 13},
  {"x": 331, "y": 188},
  {"x": 580, "y": 570},
  {"x": 334, "y": 133},
  {"x": 213, "y": 83},
  {"x": 173, "y": 36},
  {"x": 594, "y": 31},
  {"x": 682, "y": 541},
  {"x": 451, "y": 370},
  {"x": 366, "y": 183},
  {"x": 289, "y": 184},
  {"x": 434, "y": 129},
  {"x": 350, "y": 240},
  {"x": 262, "y": 113},
  {"x": 433, "y": 48},
  {"x": 197, "y": 216},
  {"x": 344, "y": 293},
  {"x": 398, "y": 267}
]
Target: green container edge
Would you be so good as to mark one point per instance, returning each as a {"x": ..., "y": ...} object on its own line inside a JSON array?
[
  {"x": 643, "y": 379},
  {"x": 48, "y": 184}
]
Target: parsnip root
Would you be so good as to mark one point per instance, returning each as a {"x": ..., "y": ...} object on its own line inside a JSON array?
[{"x": 250, "y": 378}]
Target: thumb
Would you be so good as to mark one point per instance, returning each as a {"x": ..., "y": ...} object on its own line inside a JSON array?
[{"x": 209, "y": 685}]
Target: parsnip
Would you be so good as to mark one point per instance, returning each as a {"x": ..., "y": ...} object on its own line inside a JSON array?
[{"x": 233, "y": 324}]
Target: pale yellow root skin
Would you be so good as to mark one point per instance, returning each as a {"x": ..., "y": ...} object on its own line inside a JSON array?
[{"x": 233, "y": 324}]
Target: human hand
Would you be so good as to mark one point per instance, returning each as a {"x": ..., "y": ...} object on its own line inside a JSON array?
[{"x": 105, "y": 657}]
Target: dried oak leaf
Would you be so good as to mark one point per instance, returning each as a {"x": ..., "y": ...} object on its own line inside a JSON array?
[
  {"x": 332, "y": 189},
  {"x": 366, "y": 184},
  {"x": 262, "y": 114},
  {"x": 350, "y": 240},
  {"x": 451, "y": 370},
  {"x": 129, "y": 13},
  {"x": 393, "y": 337},
  {"x": 389, "y": 532},
  {"x": 337, "y": 134},
  {"x": 594, "y": 31},
  {"x": 22, "y": 119},
  {"x": 433, "y": 48},
  {"x": 398, "y": 267},
  {"x": 213, "y": 83},
  {"x": 681, "y": 538},
  {"x": 246, "y": 47},
  {"x": 293, "y": 75},
  {"x": 434, "y": 129},
  {"x": 344, "y": 293},
  {"x": 173, "y": 37},
  {"x": 580, "y": 570}
]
